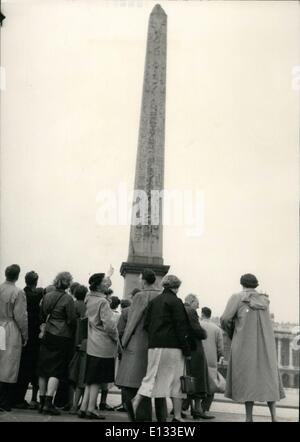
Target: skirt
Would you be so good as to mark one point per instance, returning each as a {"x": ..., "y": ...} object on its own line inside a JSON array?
[
  {"x": 99, "y": 370},
  {"x": 28, "y": 365},
  {"x": 165, "y": 367},
  {"x": 54, "y": 356}
]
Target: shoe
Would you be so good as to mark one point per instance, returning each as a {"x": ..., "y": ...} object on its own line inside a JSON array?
[
  {"x": 121, "y": 408},
  {"x": 41, "y": 404},
  {"x": 94, "y": 416},
  {"x": 176, "y": 420},
  {"x": 51, "y": 411},
  {"x": 198, "y": 415},
  {"x": 5, "y": 408},
  {"x": 105, "y": 407},
  {"x": 21, "y": 406},
  {"x": 81, "y": 414}
]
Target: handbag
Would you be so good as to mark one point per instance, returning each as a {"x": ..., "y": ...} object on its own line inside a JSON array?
[
  {"x": 217, "y": 382},
  {"x": 43, "y": 325},
  {"x": 189, "y": 384}
]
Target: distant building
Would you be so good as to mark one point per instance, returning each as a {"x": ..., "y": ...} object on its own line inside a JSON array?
[
  {"x": 287, "y": 337},
  {"x": 287, "y": 344}
]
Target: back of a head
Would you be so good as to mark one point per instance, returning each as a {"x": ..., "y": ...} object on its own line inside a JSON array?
[
  {"x": 125, "y": 303},
  {"x": 134, "y": 292},
  {"x": 80, "y": 292},
  {"x": 31, "y": 279},
  {"x": 114, "y": 302},
  {"x": 49, "y": 289},
  {"x": 109, "y": 292},
  {"x": 190, "y": 298},
  {"x": 73, "y": 287},
  {"x": 12, "y": 272},
  {"x": 63, "y": 280},
  {"x": 206, "y": 312},
  {"x": 171, "y": 282},
  {"x": 249, "y": 281},
  {"x": 148, "y": 276}
]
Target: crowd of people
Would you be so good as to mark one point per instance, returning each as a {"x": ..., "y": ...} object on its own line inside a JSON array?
[{"x": 73, "y": 343}]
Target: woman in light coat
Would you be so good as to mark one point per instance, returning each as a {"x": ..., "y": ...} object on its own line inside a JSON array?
[
  {"x": 253, "y": 373},
  {"x": 13, "y": 333},
  {"x": 101, "y": 344}
]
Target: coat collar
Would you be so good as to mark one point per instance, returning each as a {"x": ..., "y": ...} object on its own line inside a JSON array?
[
  {"x": 170, "y": 291},
  {"x": 98, "y": 294}
]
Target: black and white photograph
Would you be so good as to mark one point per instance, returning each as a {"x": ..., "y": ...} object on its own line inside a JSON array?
[{"x": 149, "y": 213}]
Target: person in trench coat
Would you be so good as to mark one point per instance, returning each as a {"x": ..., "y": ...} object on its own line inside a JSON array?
[
  {"x": 253, "y": 373},
  {"x": 13, "y": 334}
]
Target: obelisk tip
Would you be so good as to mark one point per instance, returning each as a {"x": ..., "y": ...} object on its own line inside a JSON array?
[{"x": 158, "y": 10}]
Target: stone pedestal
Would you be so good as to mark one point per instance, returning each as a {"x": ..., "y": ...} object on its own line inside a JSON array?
[{"x": 131, "y": 274}]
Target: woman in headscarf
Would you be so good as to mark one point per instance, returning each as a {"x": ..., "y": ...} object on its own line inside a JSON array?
[
  {"x": 101, "y": 344},
  {"x": 253, "y": 373},
  {"x": 167, "y": 325},
  {"x": 58, "y": 315}
]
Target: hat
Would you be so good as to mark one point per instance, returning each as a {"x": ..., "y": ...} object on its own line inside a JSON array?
[
  {"x": 96, "y": 278},
  {"x": 249, "y": 281}
]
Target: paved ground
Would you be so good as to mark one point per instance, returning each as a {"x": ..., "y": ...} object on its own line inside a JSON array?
[{"x": 224, "y": 412}]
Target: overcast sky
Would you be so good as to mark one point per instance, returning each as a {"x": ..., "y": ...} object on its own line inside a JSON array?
[{"x": 69, "y": 129}]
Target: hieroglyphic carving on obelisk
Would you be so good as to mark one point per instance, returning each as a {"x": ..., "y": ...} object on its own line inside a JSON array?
[{"x": 145, "y": 244}]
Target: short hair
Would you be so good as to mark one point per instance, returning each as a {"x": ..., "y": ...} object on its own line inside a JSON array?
[
  {"x": 134, "y": 292},
  {"x": 114, "y": 302},
  {"x": 12, "y": 272},
  {"x": 62, "y": 276},
  {"x": 109, "y": 292},
  {"x": 149, "y": 276},
  {"x": 206, "y": 312},
  {"x": 73, "y": 287},
  {"x": 80, "y": 292},
  {"x": 31, "y": 278},
  {"x": 190, "y": 298},
  {"x": 171, "y": 282},
  {"x": 95, "y": 280},
  {"x": 125, "y": 303},
  {"x": 249, "y": 281}
]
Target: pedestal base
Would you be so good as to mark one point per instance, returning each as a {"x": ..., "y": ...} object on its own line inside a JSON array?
[{"x": 131, "y": 274}]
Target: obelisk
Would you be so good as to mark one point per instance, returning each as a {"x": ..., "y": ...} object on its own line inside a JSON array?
[{"x": 146, "y": 240}]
